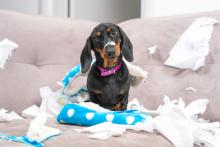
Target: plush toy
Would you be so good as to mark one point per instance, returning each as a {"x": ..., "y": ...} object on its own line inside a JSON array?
[{"x": 79, "y": 115}]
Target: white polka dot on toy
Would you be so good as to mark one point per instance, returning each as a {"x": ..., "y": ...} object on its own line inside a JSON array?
[
  {"x": 109, "y": 117},
  {"x": 90, "y": 115},
  {"x": 70, "y": 112},
  {"x": 130, "y": 119}
]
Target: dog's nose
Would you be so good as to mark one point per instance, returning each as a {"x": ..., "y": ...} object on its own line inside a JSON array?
[{"x": 110, "y": 50}]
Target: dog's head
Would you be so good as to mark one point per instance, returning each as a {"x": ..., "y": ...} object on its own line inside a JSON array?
[{"x": 109, "y": 42}]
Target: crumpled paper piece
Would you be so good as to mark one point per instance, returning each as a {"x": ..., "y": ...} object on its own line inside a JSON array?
[
  {"x": 49, "y": 105},
  {"x": 93, "y": 106},
  {"x": 106, "y": 130},
  {"x": 31, "y": 111},
  {"x": 190, "y": 89},
  {"x": 136, "y": 105},
  {"x": 190, "y": 50},
  {"x": 151, "y": 50},
  {"x": 177, "y": 123},
  {"x": 138, "y": 75},
  {"x": 6, "y": 48},
  {"x": 6, "y": 116},
  {"x": 38, "y": 131}
]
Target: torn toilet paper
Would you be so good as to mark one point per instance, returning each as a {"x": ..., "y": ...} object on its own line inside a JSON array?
[
  {"x": 6, "y": 116},
  {"x": 6, "y": 48},
  {"x": 152, "y": 50},
  {"x": 38, "y": 131},
  {"x": 190, "y": 89},
  {"x": 31, "y": 111},
  {"x": 49, "y": 105},
  {"x": 193, "y": 46}
]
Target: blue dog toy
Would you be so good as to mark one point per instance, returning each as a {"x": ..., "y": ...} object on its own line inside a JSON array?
[{"x": 79, "y": 115}]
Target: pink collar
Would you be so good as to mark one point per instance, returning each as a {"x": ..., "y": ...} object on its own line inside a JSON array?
[{"x": 106, "y": 72}]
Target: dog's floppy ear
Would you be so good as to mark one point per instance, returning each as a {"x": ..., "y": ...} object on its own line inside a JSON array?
[
  {"x": 86, "y": 56},
  {"x": 126, "y": 46}
]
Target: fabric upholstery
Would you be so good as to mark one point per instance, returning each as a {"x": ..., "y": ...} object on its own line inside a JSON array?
[
  {"x": 49, "y": 47},
  {"x": 164, "y": 80}
]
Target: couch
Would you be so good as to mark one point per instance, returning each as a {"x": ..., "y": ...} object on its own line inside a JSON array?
[{"x": 49, "y": 47}]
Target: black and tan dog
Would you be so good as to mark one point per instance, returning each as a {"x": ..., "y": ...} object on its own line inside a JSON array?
[{"x": 108, "y": 81}]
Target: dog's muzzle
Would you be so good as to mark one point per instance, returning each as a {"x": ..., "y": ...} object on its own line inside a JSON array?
[{"x": 110, "y": 49}]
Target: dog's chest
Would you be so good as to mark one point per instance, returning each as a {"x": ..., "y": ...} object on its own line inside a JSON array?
[{"x": 113, "y": 85}]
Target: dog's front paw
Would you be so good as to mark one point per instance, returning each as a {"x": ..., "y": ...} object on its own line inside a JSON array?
[{"x": 119, "y": 107}]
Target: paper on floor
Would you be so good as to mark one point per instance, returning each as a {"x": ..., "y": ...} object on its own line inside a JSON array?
[
  {"x": 6, "y": 48},
  {"x": 190, "y": 50},
  {"x": 38, "y": 131},
  {"x": 8, "y": 116}
]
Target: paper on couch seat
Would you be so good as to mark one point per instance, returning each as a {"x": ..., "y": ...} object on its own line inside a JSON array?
[
  {"x": 8, "y": 116},
  {"x": 49, "y": 104},
  {"x": 190, "y": 50},
  {"x": 177, "y": 124},
  {"x": 106, "y": 130},
  {"x": 6, "y": 48},
  {"x": 31, "y": 111},
  {"x": 174, "y": 125},
  {"x": 38, "y": 131}
]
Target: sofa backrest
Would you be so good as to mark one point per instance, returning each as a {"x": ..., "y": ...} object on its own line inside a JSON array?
[{"x": 48, "y": 48}]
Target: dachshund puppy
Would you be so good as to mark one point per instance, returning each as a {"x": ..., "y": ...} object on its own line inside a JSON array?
[{"x": 108, "y": 81}]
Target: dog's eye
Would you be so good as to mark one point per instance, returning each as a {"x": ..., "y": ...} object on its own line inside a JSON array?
[
  {"x": 113, "y": 33},
  {"x": 96, "y": 38}
]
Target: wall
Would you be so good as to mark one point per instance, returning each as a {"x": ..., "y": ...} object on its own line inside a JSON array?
[
  {"x": 106, "y": 10},
  {"x": 54, "y": 8},
  {"x": 175, "y": 7},
  {"x": 97, "y": 10},
  {"x": 26, "y": 6}
]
